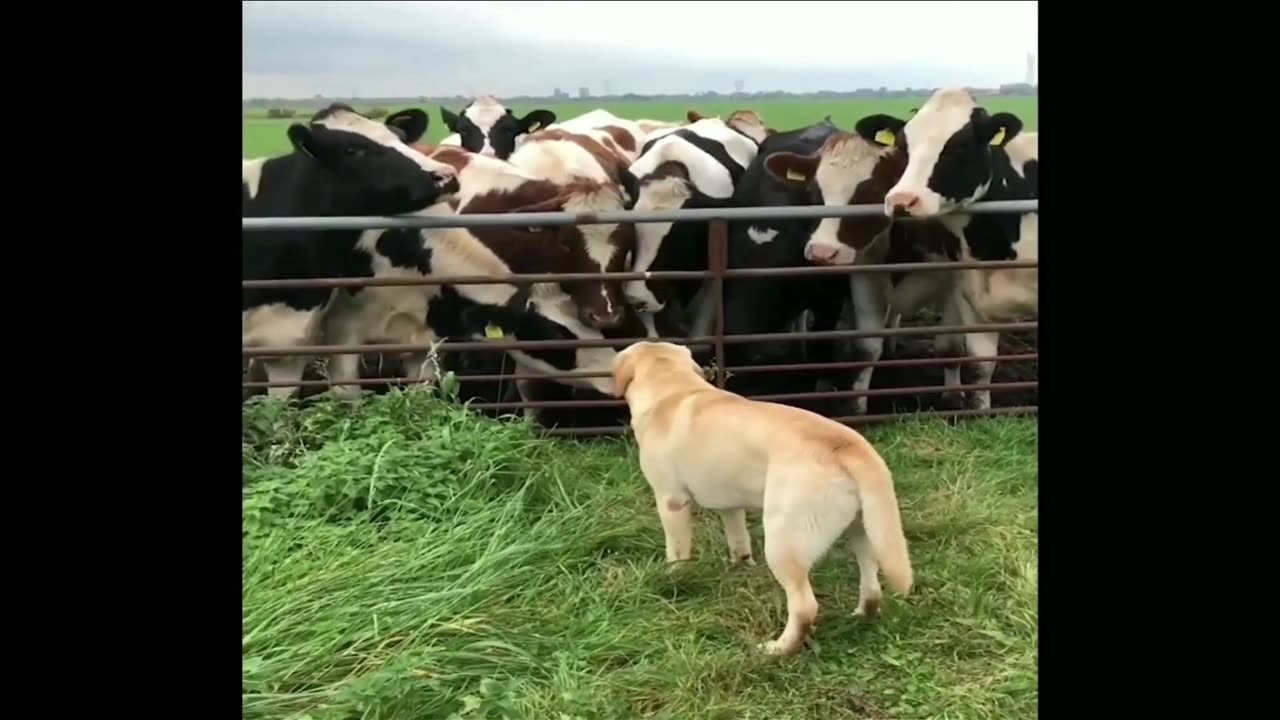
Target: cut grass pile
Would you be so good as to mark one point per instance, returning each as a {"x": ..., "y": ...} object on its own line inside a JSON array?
[{"x": 409, "y": 560}]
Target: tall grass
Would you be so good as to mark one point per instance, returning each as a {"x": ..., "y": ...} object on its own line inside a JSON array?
[{"x": 407, "y": 559}]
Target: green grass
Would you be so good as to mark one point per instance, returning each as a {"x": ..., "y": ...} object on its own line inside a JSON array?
[
  {"x": 410, "y": 560},
  {"x": 263, "y": 137}
]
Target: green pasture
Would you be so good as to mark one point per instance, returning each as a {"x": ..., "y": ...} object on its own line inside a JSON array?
[
  {"x": 408, "y": 560},
  {"x": 267, "y": 137}
]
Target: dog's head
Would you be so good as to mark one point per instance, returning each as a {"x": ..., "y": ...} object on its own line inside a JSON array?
[{"x": 646, "y": 356}]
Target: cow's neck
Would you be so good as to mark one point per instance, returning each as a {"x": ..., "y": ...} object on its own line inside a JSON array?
[
  {"x": 994, "y": 236},
  {"x": 312, "y": 190},
  {"x": 1006, "y": 182}
]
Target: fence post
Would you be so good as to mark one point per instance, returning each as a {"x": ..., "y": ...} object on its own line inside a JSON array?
[{"x": 719, "y": 263}]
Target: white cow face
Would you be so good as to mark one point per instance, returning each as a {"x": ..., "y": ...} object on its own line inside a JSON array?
[
  {"x": 371, "y": 168},
  {"x": 849, "y": 169},
  {"x": 948, "y": 144},
  {"x": 487, "y": 128}
]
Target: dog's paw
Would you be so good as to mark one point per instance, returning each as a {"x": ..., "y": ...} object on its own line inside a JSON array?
[
  {"x": 868, "y": 608},
  {"x": 776, "y": 647}
]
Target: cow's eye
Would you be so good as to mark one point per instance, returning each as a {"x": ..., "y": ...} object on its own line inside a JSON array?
[{"x": 354, "y": 151}]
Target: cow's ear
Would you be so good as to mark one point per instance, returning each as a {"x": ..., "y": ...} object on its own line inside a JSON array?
[
  {"x": 411, "y": 123},
  {"x": 880, "y": 129},
  {"x": 486, "y": 320},
  {"x": 302, "y": 139},
  {"x": 450, "y": 120},
  {"x": 997, "y": 129},
  {"x": 694, "y": 116},
  {"x": 537, "y": 120},
  {"x": 791, "y": 168}
]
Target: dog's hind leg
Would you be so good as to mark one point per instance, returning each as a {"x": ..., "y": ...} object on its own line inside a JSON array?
[
  {"x": 799, "y": 528},
  {"x": 735, "y": 532},
  {"x": 869, "y": 592}
]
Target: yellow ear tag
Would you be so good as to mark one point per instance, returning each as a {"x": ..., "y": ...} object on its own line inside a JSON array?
[
  {"x": 794, "y": 176},
  {"x": 534, "y": 126},
  {"x": 886, "y": 138},
  {"x": 493, "y": 332},
  {"x": 999, "y": 138}
]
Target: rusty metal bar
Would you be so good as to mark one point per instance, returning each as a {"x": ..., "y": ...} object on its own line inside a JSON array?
[
  {"x": 847, "y": 420},
  {"x": 798, "y": 271},
  {"x": 899, "y": 391},
  {"x": 719, "y": 257},
  {"x": 732, "y": 370},
  {"x": 907, "y": 362},
  {"x": 568, "y": 344},
  {"x": 879, "y": 392},
  {"x": 803, "y": 212}
]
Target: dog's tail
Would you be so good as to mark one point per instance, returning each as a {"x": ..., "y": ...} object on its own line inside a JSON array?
[{"x": 880, "y": 514}]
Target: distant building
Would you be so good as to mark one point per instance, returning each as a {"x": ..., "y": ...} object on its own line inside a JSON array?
[{"x": 584, "y": 92}]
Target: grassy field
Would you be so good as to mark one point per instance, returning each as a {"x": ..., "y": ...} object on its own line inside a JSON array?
[
  {"x": 267, "y": 137},
  {"x": 410, "y": 560}
]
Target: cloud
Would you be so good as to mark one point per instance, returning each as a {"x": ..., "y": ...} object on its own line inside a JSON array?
[{"x": 297, "y": 49}]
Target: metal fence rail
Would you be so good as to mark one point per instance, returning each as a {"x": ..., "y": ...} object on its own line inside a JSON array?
[{"x": 717, "y": 220}]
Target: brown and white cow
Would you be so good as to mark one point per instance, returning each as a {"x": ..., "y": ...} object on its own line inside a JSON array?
[
  {"x": 860, "y": 168},
  {"x": 598, "y": 157},
  {"x": 437, "y": 314},
  {"x": 487, "y": 127},
  {"x": 488, "y": 185},
  {"x": 628, "y": 135}
]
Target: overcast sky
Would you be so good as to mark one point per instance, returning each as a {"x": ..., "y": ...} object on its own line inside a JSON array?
[{"x": 298, "y": 49}]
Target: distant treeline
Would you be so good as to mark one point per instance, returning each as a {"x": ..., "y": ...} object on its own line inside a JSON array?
[{"x": 1012, "y": 89}]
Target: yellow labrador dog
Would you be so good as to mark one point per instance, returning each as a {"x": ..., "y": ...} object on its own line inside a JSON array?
[{"x": 809, "y": 474}]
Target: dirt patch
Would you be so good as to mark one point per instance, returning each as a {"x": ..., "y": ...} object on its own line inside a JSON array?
[{"x": 921, "y": 346}]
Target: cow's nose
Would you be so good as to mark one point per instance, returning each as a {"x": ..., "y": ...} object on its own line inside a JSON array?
[
  {"x": 901, "y": 202},
  {"x": 599, "y": 320},
  {"x": 820, "y": 253}
]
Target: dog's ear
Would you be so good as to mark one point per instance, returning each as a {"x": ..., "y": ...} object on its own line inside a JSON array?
[{"x": 624, "y": 371}]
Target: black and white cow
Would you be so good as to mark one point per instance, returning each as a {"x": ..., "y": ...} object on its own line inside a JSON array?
[
  {"x": 861, "y": 168},
  {"x": 775, "y": 304},
  {"x": 957, "y": 154},
  {"x": 342, "y": 164},
  {"x": 696, "y": 166},
  {"x": 551, "y": 318},
  {"x": 487, "y": 127}
]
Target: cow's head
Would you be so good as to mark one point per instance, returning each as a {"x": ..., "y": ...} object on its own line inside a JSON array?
[
  {"x": 595, "y": 248},
  {"x": 371, "y": 164},
  {"x": 551, "y": 317},
  {"x": 849, "y": 169},
  {"x": 667, "y": 187},
  {"x": 948, "y": 145},
  {"x": 488, "y": 128}
]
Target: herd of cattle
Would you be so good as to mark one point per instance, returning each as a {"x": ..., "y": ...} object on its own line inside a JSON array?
[{"x": 950, "y": 152}]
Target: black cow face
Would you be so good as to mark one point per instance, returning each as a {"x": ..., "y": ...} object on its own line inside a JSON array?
[
  {"x": 490, "y": 129},
  {"x": 547, "y": 319},
  {"x": 948, "y": 145},
  {"x": 373, "y": 170}
]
